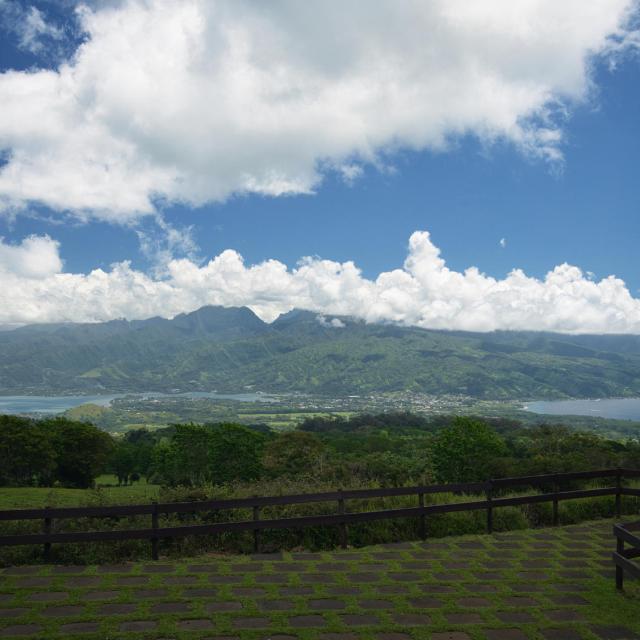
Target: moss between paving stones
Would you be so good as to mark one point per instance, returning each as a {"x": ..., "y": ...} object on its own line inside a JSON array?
[{"x": 533, "y": 584}]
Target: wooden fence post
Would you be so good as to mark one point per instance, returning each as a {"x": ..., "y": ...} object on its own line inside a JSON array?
[
  {"x": 619, "y": 570},
  {"x": 344, "y": 534},
  {"x": 489, "y": 507},
  {"x": 423, "y": 518},
  {"x": 556, "y": 515},
  {"x": 154, "y": 526},
  {"x": 256, "y": 532},
  {"x": 46, "y": 529},
  {"x": 618, "y": 492}
]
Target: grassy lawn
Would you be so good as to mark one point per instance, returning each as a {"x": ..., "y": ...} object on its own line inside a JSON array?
[
  {"x": 535, "y": 584},
  {"x": 34, "y": 497}
]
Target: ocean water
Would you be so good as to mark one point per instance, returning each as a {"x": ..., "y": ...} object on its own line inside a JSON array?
[
  {"x": 58, "y": 404},
  {"x": 616, "y": 408}
]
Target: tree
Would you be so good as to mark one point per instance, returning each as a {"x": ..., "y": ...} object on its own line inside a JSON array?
[
  {"x": 295, "y": 453},
  {"x": 466, "y": 451},
  {"x": 26, "y": 451},
  {"x": 235, "y": 453},
  {"x": 122, "y": 461},
  {"x": 82, "y": 451}
]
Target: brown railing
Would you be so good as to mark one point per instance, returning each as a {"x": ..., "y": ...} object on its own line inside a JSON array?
[
  {"x": 490, "y": 489},
  {"x": 622, "y": 556}
]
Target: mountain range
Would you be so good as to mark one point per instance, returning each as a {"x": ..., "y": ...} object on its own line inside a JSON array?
[{"x": 231, "y": 349}]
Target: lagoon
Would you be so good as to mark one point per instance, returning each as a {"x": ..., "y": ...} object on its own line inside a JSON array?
[
  {"x": 612, "y": 408},
  {"x": 58, "y": 404}
]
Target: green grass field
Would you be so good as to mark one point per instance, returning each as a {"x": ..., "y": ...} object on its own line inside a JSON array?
[
  {"x": 537, "y": 584},
  {"x": 106, "y": 485}
]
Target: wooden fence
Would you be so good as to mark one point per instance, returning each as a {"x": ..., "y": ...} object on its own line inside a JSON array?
[
  {"x": 490, "y": 490},
  {"x": 622, "y": 556}
]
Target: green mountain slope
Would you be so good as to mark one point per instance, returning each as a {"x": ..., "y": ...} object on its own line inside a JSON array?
[{"x": 230, "y": 349}]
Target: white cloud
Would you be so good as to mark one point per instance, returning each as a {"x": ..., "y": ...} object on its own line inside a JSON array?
[
  {"x": 196, "y": 100},
  {"x": 30, "y": 26},
  {"x": 503, "y": 242},
  {"x": 334, "y": 323},
  {"x": 424, "y": 292}
]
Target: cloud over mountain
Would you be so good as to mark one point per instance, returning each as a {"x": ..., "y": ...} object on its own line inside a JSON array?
[
  {"x": 424, "y": 292},
  {"x": 195, "y": 100}
]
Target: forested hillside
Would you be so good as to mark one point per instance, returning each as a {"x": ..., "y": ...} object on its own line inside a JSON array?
[{"x": 232, "y": 349}]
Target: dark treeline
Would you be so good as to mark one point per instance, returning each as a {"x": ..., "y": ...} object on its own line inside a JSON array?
[{"x": 383, "y": 449}]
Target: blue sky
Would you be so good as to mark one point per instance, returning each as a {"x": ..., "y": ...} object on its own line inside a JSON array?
[{"x": 576, "y": 203}]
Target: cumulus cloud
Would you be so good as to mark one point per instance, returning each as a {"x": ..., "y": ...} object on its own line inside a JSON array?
[
  {"x": 196, "y": 100},
  {"x": 423, "y": 293},
  {"x": 30, "y": 26}
]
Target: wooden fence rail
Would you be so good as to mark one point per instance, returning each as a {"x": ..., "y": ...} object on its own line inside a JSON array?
[
  {"x": 622, "y": 557},
  {"x": 490, "y": 489}
]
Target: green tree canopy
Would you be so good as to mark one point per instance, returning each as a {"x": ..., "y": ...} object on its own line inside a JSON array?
[
  {"x": 466, "y": 451},
  {"x": 296, "y": 453}
]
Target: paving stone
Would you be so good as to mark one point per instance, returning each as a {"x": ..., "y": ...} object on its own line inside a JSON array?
[
  {"x": 532, "y": 575},
  {"x": 80, "y": 627},
  {"x": 387, "y": 555},
  {"x": 215, "y": 607},
  {"x": 200, "y": 593},
  {"x": 515, "y": 616},
  {"x": 171, "y": 607},
  {"x": 181, "y": 580},
  {"x": 307, "y": 621},
  {"x": 397, "y": 545},
  {"x": 13, "y": 613},
  {"x": 288, "y": 567},
  {"x": 272, "y": 578},
  {"x": 66, "y": 610},
  {"x": 202, "y": 568},
  {"x": 464, "y": 618},
  {"x": 358, "y": 619},
  {"x": 251, "y": 623},
  {"x": 303, "y": 555},
  {"x": 343, "y": 591},
  {"x": 103, "y": 595},
  {"x": 375, "y": 604},
  {"x": 318, "y": 578},
  {"x": 474, "y": 602},
  {"x": 570, "y": 599},
  {"x": 160, "y": 592},
  {"x": 21, "y": 571},
  {"x": 247, "y": 567},
  {"x": 482, "y": 587},
  {"x": 276, "y": 605},
  {"x": 393, "y": 589},
  {"x": 132, "y": 581},
  {"x": 526, "y": 588},
  {"x": 83, "y": 582},
  {"x": 276, "y": 555},
  {"x": 415, "y": 565},
  {"x": 325, "y": 604},
  {"x": 412, "y": 619},
  {"x": 505, "y": 634},
  {"x": 296, "y": 591},
  {"x": 48, "y": 596},
  {"x": 333, "y": 566},
  {"x": 404, "y": 577},
  {"x": 200, "y": 624},
  {"x": 363, "y": 577},
  {"x": 391, "y": 635},
  {"x": 438, "y": 588},
  {"x": 339, "y": 636},
  {"x": 562, "y": 633},
  {"x": 608, "y": 632},
  {"x": 425, "y": 603},
  {"x": 450, "y": 635},
  {"x": 29, "y": 583},
  {"x": 347, "y": 556},
  {"x": 223, "y": 579},
  {"x": 451, "y": 576},
  {"x": 488, "y": 575},
  {"x": 114, "y": 568},
  {"x": 519, "y": 601},
  {"x": 20, "y": 630},
  {"x": 139, "y": 625},
  {"x": 248, "y": 591},
  {"x": 117, "y": 608},
  {"x": 159, "y": 568},
  {"x": 564, "y": 615}
]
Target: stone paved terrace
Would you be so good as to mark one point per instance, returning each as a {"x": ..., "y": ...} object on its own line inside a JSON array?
[{"x": 533, "y": 584}]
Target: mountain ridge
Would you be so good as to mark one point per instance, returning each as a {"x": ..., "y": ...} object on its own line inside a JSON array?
[{"x": 301, "y": 351}]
